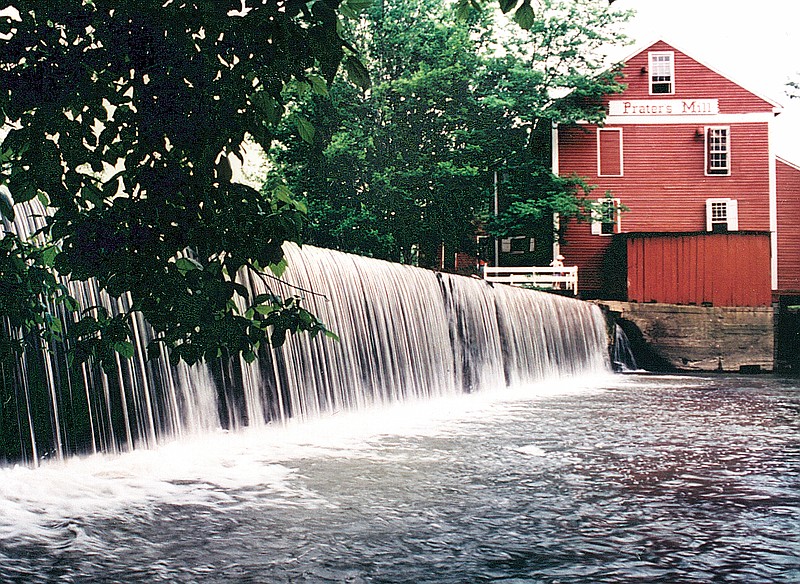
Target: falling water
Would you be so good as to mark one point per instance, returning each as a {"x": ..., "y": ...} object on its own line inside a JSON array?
[
  {"x": 405, "y": 333},
  {"x": 622, "y": 357},
  {"x": 51, "y": 408}
]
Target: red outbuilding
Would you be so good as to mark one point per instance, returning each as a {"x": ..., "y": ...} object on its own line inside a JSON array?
[{"x": 696, "y": 208}]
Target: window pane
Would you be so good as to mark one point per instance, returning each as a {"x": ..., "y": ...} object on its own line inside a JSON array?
[
  {"x": 661, "y": 72},
  {"x": 608, "y": 217},
  {"x": 717, "y": 151}
]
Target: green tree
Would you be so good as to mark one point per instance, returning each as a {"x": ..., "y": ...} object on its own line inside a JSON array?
[
  {"x": 393, "y": 170},
  {"x": 122, "y": 117},
  {"x": 410, "y": 163}
]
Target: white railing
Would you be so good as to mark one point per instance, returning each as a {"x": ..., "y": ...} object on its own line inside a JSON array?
[{"x": 552, "y": 278}]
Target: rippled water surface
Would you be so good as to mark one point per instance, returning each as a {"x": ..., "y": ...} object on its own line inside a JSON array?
[{"x": 629, "y": 478}]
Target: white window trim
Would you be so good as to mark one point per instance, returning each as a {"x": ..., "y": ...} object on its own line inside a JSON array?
[
  {"x": 731, "y": 212},
  {"x": 705, "y": 147},
  {"x": 621, "y": 158},
  {"x": 650, "y": 56},
  {"x": 507, "y": 245},
  {"x": 597, "y": 222}
]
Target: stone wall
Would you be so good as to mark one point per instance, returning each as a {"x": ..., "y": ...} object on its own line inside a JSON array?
[{"x": 696, "y": 338}]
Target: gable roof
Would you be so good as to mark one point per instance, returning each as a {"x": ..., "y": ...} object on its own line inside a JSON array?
[
  {"x": 788, "y": 163},
  {"x": 643, "y": 47}
]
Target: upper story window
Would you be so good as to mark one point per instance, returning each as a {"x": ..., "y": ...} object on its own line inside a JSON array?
[
  {"x": 609, "y": 152},
  {"x": 718, "y": 150},
  {"x": 662, "y": 72},
  {"x": 606, "y": 218}
]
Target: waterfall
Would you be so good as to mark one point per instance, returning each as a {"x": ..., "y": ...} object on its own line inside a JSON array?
[
  {"x": 50, "y": 408},
  {"x": 405, "y": 333},
  {"x": 622, "y": 358}
]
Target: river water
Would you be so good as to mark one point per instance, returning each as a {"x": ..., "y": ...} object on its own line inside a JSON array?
[{"x": 618, "y": 478}]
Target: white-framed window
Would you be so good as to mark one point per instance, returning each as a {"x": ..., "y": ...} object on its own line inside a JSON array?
[
  {"x": 718, "y": 150},
  {"x": 722, "y": 215},
  {"x": 662, "y": 72},
  {"x": 483, "y": 245},
  {"x": 517, "y": 244},
  {"x": 606, "y": 219},
  {"x": 609, "y": 151}
]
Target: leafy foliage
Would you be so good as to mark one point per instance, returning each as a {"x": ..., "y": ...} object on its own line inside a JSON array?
[
  {"x": 123, "y": 117},
  {"x": 408, "y": 165},
  {"x": 29, "y": 295}
]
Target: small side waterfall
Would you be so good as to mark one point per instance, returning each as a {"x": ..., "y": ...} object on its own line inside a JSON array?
[
  {"x": 622, "y": 358},
  {"x": 406, "y": 333}
]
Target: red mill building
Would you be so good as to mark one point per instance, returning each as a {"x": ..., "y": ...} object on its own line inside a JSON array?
[{"x": 698, "y": 209}]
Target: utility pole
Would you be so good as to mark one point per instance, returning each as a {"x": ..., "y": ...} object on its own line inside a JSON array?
[{"x": 496, "y": 212}]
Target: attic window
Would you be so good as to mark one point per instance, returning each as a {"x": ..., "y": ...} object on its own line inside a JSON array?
[{"x": 662, "y": 72}]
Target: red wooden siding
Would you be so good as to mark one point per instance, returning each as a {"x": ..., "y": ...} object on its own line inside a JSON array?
[
  {"x": 693, "y": 80},
  {"x": 580, "y": 248},
  {"x": 665, "y": 187},
  {"x": 722, "y": 269},
  {"x": 609, "y": 155},
  {"x": 788, "y": 177}
]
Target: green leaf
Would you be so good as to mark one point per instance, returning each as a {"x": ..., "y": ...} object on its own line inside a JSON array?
[
  {"x": 359, "y": 5},
  {"x": 124, "y": 348},
  {"x": 267, "y": 106},
  {"x": 49, "y": 255},
  {"x": 506, "y": 5},
  {"x": 91, "y": 193},
  {"x": 278, "y": 336},
  {"x": 261, "y": 298},
  {"x": 153, "y": 350},
  {"x": 279, "y": 268},
  {"x": 357, "y": 73},
  {"x": 22, "y": 186},
  {"x": 266, "y": 308},
  {"x": 69, "y": 302},
  {"x": 525, "y": 16},
  {"x": 318, "y": 84},
  {"x": 348, "y": 12},
  {"x": 463, "y": 9},
  {"x": 223, "y": 169},
  {"x": 332, "y": 335},
  {"x": 305, "y": 128},
  {"x": 282, "y": 193},
  {"x": 55, "y": 325},
  {"x": 185, "y": 265},
  {"x": 6, "y": 203},
  {"x": 43, "y": 198}
]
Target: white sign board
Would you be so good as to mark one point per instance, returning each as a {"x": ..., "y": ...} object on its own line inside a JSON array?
[{"x": 663, "y": 107}]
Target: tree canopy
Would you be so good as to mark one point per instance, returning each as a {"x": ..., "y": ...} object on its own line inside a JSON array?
[
  {"x": 122, "y": 117},
  {"x": 408, "y": 165}
]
